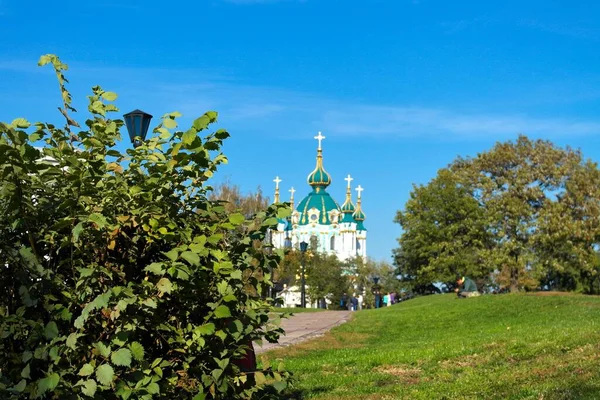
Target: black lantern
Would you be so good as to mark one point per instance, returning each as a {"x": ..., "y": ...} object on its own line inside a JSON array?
[
  {"x": 303, "y": 247},
  {"x": 137, "y": 123}
]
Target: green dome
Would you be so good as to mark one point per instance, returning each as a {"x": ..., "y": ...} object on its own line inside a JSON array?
[
  {"x": 348, "y": 206},
  {"x": 348, "y": 218},
  {"x": 320, "y": 200},
  {"x": 360, "y": 226},
  {"x": 359, "y": 215},
  {"x": 319, "y": 177}
]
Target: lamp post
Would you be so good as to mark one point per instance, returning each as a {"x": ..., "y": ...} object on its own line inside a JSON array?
[
  {"x": 137, "y": 123},
  {"x": 269, "y": 252},
  {"x": 303, "y": 247}
]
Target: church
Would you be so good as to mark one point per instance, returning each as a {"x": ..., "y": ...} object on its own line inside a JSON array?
[{"x": 320, "y": 221}]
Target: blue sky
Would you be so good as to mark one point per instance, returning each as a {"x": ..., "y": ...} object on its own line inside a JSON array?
[{"x": 399, "y": 88}]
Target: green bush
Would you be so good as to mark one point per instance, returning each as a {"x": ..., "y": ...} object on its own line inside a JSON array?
[{"x": 118, "y": 277}]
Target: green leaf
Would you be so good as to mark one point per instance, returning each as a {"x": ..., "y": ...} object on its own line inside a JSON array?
[
  {"x": 137, "y": 350},
  {"x": 85, "y": 272},
  {"x": 103, "y": 349},
  {"x": 105, "y": 374},
  {"x": 260, "y": 378},
  {"x": 48, "y": 383},
  {"x": 189, "y": 136},
  {"x": 201, "y": 123},
  {"x": 237, "y": 219},
  {"x": 283, "y": 212},
  {"x": 164, "y": 286},
  {"x": 72, "y": 340},
  {"x": 77, "y": 229},
  {"x": 26, "y": 356},
  {"x": 121, "y": 357},
  {"x": 153, "y": 388},
  {"x": 280, "y": 385},
  {"x": 155, "y": 268},
  {"x": 206, "y": 329},
  {"x": 89, "y": 387},
  {"x": 26, "y": 372},
  {"x": 172, "y": 254},
  {"x": 98, "y": 219},
  {"x": 149, "y": 302},
  {"x": 86, "y": 370},
  {"x": 19, "y": 387},
  {"x": 169, "y": 123},
  {"x": 191, "y": 257},
  {"x": 222, "y": 312},
  {"x": 20, "y": 123},
  {"x": 51, "y": 330},
  {"x": 109, "y": 96}
]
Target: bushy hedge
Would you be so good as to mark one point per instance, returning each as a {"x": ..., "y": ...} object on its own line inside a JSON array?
[{"x": 118, "y": 278}]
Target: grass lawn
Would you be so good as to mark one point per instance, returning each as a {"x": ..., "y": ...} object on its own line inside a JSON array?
[{"x": 439, "y": 347}]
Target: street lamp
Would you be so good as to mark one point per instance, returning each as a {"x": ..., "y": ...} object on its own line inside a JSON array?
[
  {"x": 137, "y": 123},
  {"x": 303, "y": 247},
  {"x": 269, "y": 249}
]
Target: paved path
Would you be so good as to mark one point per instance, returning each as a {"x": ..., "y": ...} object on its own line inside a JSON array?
[{"x": 303, "y": 326}]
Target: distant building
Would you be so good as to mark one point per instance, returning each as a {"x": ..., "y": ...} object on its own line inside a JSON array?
[{"x": 320, "y": 221}]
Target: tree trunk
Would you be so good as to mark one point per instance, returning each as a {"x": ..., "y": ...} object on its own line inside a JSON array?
[{"x": 514, "y": 276}]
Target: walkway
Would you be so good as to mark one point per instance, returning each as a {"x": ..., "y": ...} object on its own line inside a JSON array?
[{"x": 303, "y": 326}]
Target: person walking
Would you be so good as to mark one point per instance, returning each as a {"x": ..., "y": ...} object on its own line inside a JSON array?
[
  {"x": 344, "y": 301},
  {"x": 354, "y": 302},
  {"x": 386, "y": 300}
]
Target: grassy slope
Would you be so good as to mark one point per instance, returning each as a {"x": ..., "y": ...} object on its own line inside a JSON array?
[{"x": 436, "y": 347}]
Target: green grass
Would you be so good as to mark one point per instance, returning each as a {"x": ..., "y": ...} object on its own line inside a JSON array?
[{"x": 440, "y": 347}]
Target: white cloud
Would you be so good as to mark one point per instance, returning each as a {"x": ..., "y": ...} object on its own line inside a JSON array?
[{"x": 290, "y": 114}]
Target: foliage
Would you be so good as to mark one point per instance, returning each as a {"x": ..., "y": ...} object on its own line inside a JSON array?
[
  {"x": 234, "y": 201},
  {"x": 118, "y": 277},
  {"x": 323, "y": 273},
  {"x": 513, "y": 346},
  {"x": 443, "y": 232},
  {"x": 526, "y": 212}
]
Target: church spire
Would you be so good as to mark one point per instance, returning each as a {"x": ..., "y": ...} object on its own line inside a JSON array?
[
  {"x": 319, "y": 177},
  {"x": 277, "y": 181},
  {"x": 359, "y": 215},
  {"x": 348, "y": 206},
  {"x": 292, "y": 191}
]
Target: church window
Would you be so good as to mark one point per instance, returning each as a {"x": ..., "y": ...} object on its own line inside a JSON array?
[{"x": 332, "y": 243}]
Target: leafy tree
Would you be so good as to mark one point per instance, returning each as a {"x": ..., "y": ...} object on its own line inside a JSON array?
[
  {"x": 570, "y": 232},
  {"x": 444, "y": 233},
  {"x": 325, "y": 279},
  {"x": 516, "y": 182},
  {"x": 118, "y": 279},
  {"x": 234, "y": 201},
  {"x": 527, "y": 211}
]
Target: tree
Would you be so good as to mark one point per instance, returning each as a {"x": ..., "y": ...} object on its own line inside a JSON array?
[
  {"x": 324, "y": 277},
  {"x": 234, "y": 201},
  {"x": 118, "y": 278},
  {"x": 515, "y": 183},
  {"x": 444, "y": 233},
  {"x": 526, "y": 211},
  {"x": 570, "y": 232}
]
